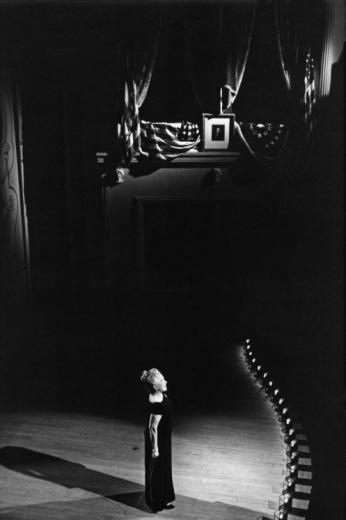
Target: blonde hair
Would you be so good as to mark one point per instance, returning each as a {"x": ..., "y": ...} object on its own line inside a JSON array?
[{"x": 148, "y": 378}]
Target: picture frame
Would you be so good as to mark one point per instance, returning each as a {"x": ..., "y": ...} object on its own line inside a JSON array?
[{"x": 217, "y": 131}]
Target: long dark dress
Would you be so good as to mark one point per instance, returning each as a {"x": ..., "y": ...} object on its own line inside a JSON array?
[{"x": 159, "y": 489}]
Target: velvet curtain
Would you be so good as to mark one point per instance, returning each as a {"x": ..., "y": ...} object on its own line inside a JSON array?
[
  {"x": 238, "y": 23},
  {"x": 14, "y": 237},
  {"x": 291, "y": 29},
  {"x": 301, "y": 31},
  {"x": 218, "y": 39},
  {"x": 137, "y": 49}
]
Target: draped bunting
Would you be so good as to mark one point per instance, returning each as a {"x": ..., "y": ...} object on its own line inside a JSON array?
[
  {"x": 265, "y": 138},
  {"x": 218, "y": 39},
  {"x": 168, "y": 140},
  {"x": 264, "y": 159}
]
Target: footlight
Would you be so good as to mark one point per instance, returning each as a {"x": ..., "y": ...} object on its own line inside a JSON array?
[
  {"x": 270, "y": 386},
  {"x": 291, "y": 445},
  {"x": 265, "y": 376},
  {"x": 286, "y": 423},
  {"x": 290, "y": 434},
  {"x": 276, "y": 395},
  {"x": 290, "y": 482},
  {"x": 286, "y": 497},
  {"x": 280, "y": 403},
  {"x": 293, "y": 456},
  {"x": 285, "y": 411},
  {"x": 282, "y": 513},
  {"x": 258, "y": 370}
]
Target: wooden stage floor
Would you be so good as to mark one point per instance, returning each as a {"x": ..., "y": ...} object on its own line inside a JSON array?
[{"x": 228, "y": 464}]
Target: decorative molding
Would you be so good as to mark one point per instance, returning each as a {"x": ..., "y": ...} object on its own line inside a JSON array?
[{"x": 194, "y": 158}]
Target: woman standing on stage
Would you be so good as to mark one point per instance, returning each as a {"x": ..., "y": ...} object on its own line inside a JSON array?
[{"x": 159, "y": 490}]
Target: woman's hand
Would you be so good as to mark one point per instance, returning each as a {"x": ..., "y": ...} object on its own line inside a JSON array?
[{"x": 155, "y": 453}]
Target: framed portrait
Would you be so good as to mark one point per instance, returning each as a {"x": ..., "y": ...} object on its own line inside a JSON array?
[{"x": 217, "y": 131}]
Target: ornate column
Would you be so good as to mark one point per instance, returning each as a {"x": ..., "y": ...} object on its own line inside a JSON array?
[{"x": 14, "y": 240}]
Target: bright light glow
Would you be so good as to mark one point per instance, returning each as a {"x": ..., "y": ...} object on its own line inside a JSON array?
[
  {"x": 259, "y": 367},
  {"x": 287, "y": 497},
  {"x": 265, "y": 375},
  {"x": 247, "y": 341},
  {"x": 276, "y": 391}
]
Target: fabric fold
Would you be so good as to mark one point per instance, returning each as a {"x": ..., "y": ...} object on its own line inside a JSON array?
[{"x": 137, "y": 55}]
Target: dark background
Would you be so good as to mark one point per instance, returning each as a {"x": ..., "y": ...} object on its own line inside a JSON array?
[{"x": 80, "y": 343}]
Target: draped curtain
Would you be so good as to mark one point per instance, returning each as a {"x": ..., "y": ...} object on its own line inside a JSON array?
[
  {"x": 137, "y": 49},
  {"x": 334, "y": 39},
  {"x": 238, "y": 23},
  {"x": 14, "y": 238},
  {"x": 218, "y": 39},
  {"x": 301, "y": 30},
  {"x": 292, "y": 35}
]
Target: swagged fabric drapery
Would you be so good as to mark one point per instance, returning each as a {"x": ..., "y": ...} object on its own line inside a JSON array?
[
  {"x": 293, "y": 41},
  {"x": 218, "y": 38},
  {"x": 166, "y": 141},
  {"x": 136, "y": 55}
]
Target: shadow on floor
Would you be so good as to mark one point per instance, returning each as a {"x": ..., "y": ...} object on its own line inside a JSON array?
[
  {"x": 71, "y": 475},
  {"x": 116, "y": 490}
]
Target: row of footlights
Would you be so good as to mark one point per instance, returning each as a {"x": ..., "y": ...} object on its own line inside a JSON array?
[{"x": 295, "y": 498}]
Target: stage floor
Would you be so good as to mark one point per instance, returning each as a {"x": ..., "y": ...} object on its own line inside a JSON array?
[{"x": 227, "y": 464}]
